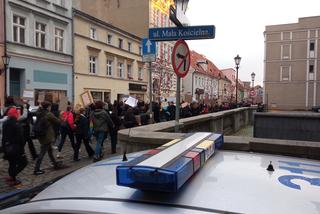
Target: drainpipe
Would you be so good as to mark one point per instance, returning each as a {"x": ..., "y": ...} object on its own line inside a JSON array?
[
  {"x": 5, "y": 46},
  {"x": 73, "y": 41}
]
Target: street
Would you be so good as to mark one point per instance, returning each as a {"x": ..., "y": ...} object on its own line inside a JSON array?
[{"x": 29, "y": 180}]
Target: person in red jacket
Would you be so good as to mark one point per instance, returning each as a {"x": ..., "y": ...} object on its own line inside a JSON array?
[{"x": 67, "y": 127}]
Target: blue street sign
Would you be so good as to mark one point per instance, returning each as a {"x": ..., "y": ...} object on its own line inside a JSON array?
[
  {"x": 186, "y": 33},
  {"x": 148, "y": 47}
]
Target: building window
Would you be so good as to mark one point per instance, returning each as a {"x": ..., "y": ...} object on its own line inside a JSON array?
[
  {"x": 92, "y": 64},
  {"x": 311, "y": 72},
  {"x": 140, "y": 50},
  {"x": 120, "y": 70},
  {"x": 40, "y": 35},
  {"x": 58, "y": 40},
  {"x": 285, "y": 73},
  {"x": 312, "y": 46},
  {"x": 109, "y": 41},
  {"x": 93, "y": 33},
  {"x": 286, "y": 51},
  {"x": 140, "y": 73},
  {"x": 96, "y": 95},
  {"x": 19, "y": 24},
  {"x": 312, "y": 49},
  {"x": 120, "y": 43},
  {"x": 129, "y": 70},
  {"x": 109, "y": 67},
  {"x": 129, "y": 46}
]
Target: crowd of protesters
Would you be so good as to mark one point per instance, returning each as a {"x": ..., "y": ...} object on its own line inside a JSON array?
[{"x": 98, "y": 122}]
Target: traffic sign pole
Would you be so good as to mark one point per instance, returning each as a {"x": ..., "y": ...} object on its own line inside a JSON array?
[
  {"x": 150, "y": 92},
  {"x": 177, "y": 125}
]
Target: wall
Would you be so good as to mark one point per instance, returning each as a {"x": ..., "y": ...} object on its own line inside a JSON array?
[
  {"x": 129, "y": 15},
  {"x": 29, "y": 66},
  {"x": 154, "y": 135},
  {"x": 288, "y": 45},
  {"x": 288, "y": 126},
  {"x": 85, "y": 46}
]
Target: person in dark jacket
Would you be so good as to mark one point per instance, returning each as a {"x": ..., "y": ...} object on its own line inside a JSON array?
[
  {"x": 101, "y": 124},
  {"x": 13, "y": 146},
  {"x": 129, "y": 120},
  {"x": 156, "y": 111},
  {"x": 82, "y": 132},
  {"x": 25, "y": 121},
  {"x": 48, "y": 138},
  {"x": 114, "y": 132},
  {"x": 55, "y": 111}
]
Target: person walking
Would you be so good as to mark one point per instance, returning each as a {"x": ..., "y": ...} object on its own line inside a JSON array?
[
  {"x": 25, "y": 121},
  {"x": 43, "y": 129},
  {"x": 82, "y": 132},
  {"x": 114, "y": 131},
  {"x": 55, "y": 111},
  {"x": 101, "y": 124},
  {"x": 13, "y": 146},
  {"x": 66, "y": 128}
]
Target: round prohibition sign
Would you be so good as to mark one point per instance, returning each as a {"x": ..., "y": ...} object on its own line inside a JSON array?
[{"x": 181, "y": 58}]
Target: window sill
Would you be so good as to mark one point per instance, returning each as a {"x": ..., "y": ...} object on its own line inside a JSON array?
[{"x": 45, "y": 1}]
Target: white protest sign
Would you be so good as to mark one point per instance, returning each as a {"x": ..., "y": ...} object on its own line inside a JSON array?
[{"x": 131, "y": 102}]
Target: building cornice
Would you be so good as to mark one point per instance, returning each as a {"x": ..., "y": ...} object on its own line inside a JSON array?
[
  {"x": 39, "y": 49},
  {"x": 41, "y": 8},
  {"x": 108, "y": 45},
  {"x": 111, "y": 78},
  {"x": 12, "y": 54}
]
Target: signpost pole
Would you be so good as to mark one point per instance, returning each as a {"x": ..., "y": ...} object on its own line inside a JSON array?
[
  {"x": 176, "y": 127},
  {"x": 150, "y": 92}
]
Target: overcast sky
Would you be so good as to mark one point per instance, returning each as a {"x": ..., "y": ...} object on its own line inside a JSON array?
[{"x": 239, "y": 29}]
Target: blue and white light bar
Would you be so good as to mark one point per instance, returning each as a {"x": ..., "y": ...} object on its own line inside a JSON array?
[{"x": 168, "y": 167}]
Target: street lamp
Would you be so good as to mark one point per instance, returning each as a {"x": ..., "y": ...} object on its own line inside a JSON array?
[
  {"x": 237, "y": 61},
  {"x": 6, "y": 61},
  {"x": 253, "y": 75}
]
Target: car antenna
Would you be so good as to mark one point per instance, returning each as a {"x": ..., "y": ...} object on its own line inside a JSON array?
[{"x": 270, "y": 167}]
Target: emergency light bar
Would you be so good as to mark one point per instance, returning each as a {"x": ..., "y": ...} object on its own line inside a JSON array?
[{"x": 168, "y": 167}]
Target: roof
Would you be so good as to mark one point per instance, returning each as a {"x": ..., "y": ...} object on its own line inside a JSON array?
[
  {"x": 230, "y": 182},
  {"x": 230, "y": 73},
  {"x": 210, "y": 69}
]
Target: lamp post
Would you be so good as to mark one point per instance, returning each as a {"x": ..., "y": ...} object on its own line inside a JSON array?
[
  {"x": 237, "y": 61},
  {"x": 253, "y": 75},
  {"x": 6, "y": 61}
]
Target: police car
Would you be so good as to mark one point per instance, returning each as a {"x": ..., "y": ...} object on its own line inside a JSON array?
[{"x": 185, "y": 176}]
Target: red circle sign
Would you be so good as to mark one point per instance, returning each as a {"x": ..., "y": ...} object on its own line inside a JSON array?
[
  {"x": 252, "y": 93},
  {"x": 181, "y": 58}
]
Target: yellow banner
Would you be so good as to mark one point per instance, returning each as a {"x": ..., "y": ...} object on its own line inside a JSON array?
[{"x": 163, "y": 5}]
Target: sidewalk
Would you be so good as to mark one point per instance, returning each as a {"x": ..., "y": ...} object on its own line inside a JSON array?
[{"x": 29, "y": 180}]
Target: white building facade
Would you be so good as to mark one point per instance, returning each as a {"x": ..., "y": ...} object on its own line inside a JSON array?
[{"x": 39, "y": 35}]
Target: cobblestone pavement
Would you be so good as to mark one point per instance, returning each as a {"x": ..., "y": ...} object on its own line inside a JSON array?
[{"x": 29, "y": 180}]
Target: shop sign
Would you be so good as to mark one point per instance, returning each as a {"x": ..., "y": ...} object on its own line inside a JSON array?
[{"x": 137, "y": 87}]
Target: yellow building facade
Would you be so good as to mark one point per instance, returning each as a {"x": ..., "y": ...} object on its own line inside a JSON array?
[{"x": 107, "y": 61}]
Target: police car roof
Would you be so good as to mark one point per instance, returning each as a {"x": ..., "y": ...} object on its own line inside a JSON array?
[{"x": 230, "y": 182}]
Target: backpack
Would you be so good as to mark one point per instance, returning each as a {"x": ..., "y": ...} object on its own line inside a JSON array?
[
  {"x": 40, "y": 127},
  {"x": 64, "y": 122}
]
